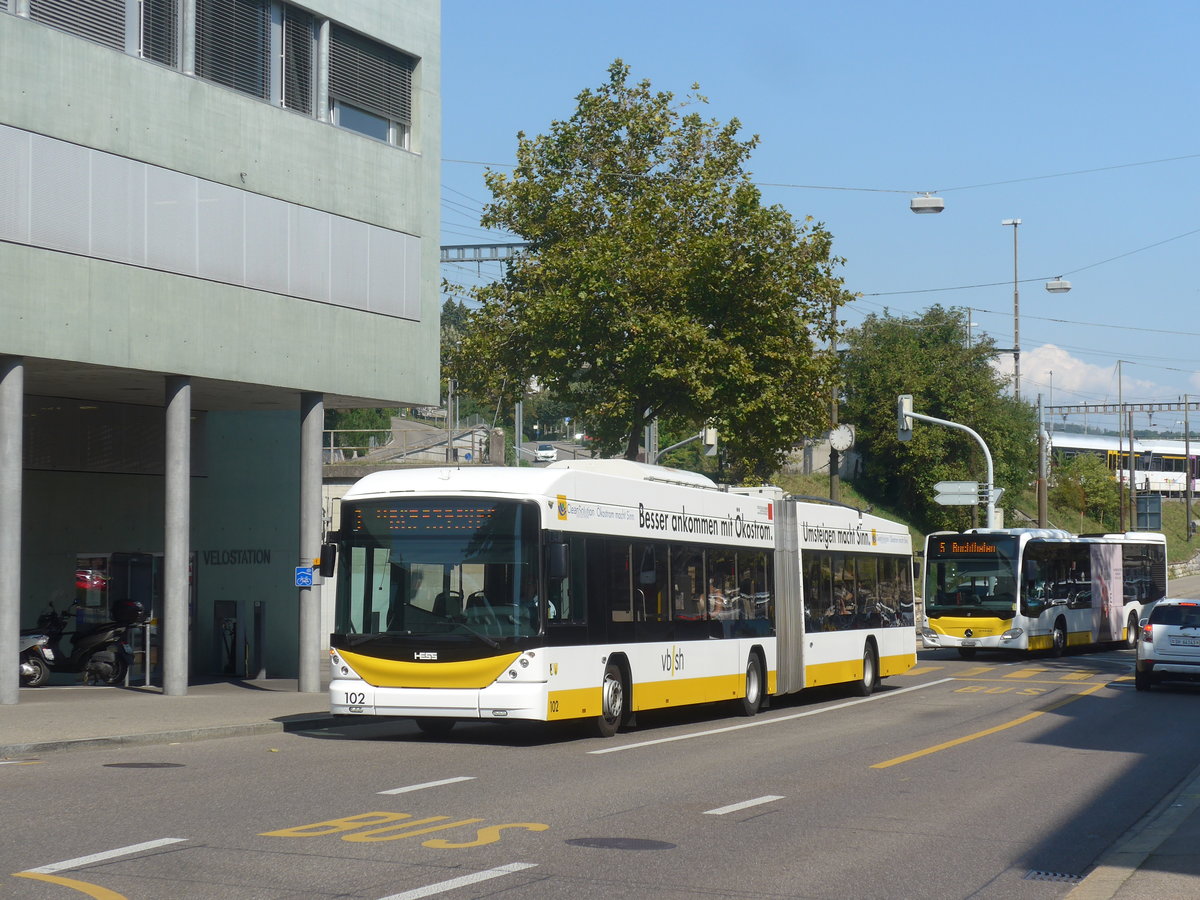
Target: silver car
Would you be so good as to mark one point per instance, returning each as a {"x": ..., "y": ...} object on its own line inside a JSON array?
[{"x": 1169, "y": 644}]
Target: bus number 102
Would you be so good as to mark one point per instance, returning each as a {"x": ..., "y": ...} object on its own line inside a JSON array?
[{"x": 354, "y": 698}]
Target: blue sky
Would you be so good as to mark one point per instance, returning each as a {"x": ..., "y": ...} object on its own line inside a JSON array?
[{"x": 877, "y": 101}]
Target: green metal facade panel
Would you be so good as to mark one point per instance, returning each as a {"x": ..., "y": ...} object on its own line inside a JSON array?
[{"x": 59, "y": 306}]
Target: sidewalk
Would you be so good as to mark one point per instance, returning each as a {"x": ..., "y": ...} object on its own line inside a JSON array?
[
  {"x": 1158, "y": 858},
  {"x": 65, "y": 717}
]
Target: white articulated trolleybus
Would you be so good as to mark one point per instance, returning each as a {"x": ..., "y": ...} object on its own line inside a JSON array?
[
  {"x": 593, "y": 589},
  {"x": 1039, "y": 589}
]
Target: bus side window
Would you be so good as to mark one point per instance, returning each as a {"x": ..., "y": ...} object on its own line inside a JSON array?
[{"x": 620, "y": 598}]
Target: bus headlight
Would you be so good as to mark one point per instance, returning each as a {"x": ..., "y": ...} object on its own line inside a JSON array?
[
  {"x": 1012, "y": 634},
  {"x": 928, "y": 632}
]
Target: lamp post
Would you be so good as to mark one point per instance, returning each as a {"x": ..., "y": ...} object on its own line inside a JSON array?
[
  {"x": 1016, "y": 314},
  {"x": 1054, "y": 286}
]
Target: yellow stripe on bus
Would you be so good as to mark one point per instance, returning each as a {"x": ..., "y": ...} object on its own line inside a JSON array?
[
  {"x": 472, "y": 673},
  {"x": 852, "y": 670},
  {"x": 1074, "y": 639},
  {"x": 584, "y": 702},
  {"x": 684, "y": 691}
]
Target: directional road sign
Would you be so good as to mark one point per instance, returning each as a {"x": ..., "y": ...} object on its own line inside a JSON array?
[{"x": 956, "y": 493}]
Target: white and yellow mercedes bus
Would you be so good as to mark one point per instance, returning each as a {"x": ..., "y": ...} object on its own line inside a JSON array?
[
  {"x": 1039, "y": 589},
  {"x": 594, "y": 589}
]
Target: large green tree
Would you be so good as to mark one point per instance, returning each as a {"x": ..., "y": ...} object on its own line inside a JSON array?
[
  {"x": 655, "y": 283},
  {"x": 928, "y": 356}
]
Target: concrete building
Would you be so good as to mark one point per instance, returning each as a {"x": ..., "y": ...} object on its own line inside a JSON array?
[{"x": 218, "y": 218}]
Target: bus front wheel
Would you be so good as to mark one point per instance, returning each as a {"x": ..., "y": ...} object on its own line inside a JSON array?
[
  {"x": 1058, "y": 638},
  {"x": 865, "y": 685},
  {"x": 612, "y": 701},
  {"x": 750, "y": 703}
]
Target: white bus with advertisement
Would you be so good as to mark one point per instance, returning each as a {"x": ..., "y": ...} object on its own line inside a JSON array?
[
  {"x": 1039, "y": 589},
  {"x": 596, "y": 589}
]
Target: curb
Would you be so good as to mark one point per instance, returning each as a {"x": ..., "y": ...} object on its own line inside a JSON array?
[
  {"x": 301, "y": 723},
  {"x": 1118, "y": 864}
]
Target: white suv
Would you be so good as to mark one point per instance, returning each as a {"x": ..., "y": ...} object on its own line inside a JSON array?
[{"x": 1169, "y": 644}]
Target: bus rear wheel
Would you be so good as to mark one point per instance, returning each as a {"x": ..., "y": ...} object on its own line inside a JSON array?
[
  {"x": 612, "y": 701},
  {"x": 870, "y": 674},
  {"x": 1131, "y": 636},
  {"x": 750, "y": 703}
]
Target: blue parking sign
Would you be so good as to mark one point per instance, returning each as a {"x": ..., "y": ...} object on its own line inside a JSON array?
[{"x": 304, "y": 576}]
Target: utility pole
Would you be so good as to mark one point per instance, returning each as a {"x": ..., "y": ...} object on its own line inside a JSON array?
[
  {"x": 834, "y": 462},
  {"x": 1187, "y": 471},
  {"x": 1043, "y": 449}
]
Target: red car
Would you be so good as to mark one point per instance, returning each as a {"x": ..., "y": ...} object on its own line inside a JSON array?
[{"x": 89, "y": 580}]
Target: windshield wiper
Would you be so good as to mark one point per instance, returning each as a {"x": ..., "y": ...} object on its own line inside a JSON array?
[{"x": 479, "y": 634}]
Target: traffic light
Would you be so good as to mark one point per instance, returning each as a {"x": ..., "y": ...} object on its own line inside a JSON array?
[
  {"x": 708, "y": 437},
  {"x": 904, "y": 422}
]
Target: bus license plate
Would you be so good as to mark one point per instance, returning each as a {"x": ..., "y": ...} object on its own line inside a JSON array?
[
  {"x": 1179, "y": 641},
  {"x": 966, "y": 643}
]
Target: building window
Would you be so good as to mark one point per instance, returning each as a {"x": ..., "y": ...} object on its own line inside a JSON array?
[
  {"x": 146, "y": 28},
  {"x": 159, "y": 37},
  {"x": 370, "y": 87},
  {"x": 264, "y": 48},
  {"x": 233, "y": 44},
  {"x": 299, "y": 51},
  {"x": 102, "y": 21}
]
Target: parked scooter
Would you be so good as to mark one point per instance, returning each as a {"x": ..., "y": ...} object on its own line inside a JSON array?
[{"x": 100, "y": 651}]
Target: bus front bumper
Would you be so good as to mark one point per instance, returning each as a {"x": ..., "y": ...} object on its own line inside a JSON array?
[
  {"x": 354, "y": 697},
  {"x": 1011, "y": 639}
]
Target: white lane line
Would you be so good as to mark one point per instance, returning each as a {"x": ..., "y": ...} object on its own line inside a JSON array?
[
  {"x": 453, "y": 883},
  {"x": 764, "y": 721},
  {"x": 429, "y": 784},
  {"x": 745, "y": 804},
  {"x": 101, "y": 857}
]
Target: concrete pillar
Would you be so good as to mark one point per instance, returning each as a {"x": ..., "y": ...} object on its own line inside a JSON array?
[
  {"x": 177, "y": 536},
  {"x": 12, "y": 401},
  {"x": 312, "y": 425}
]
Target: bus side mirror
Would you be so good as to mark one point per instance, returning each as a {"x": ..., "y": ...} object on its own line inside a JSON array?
[
  {"x": 328, "y": 560},
  {"x": 557, "y": 560}
]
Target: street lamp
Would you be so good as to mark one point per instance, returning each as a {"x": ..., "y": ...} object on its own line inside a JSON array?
[
  {"x": 926, "y": 204},
  {"x": 1056, "y": 286},
  {"x": 1016, "y": 347}
]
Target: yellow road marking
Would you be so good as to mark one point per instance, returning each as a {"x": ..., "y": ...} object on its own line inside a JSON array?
[
  {"x": 1080, "y": 676},
  {"x": 924, "y": 670},
  {"x": 1057, "y": 704},
  {"x": 1024, "y": 680},
  {"x": 978, "y": 670},
  {"x": 1025, "y": 673},
  {"x": 92, "y": 890}
]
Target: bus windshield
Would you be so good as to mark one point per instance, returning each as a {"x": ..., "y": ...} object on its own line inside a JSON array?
[
  {"x": 420, "y": 567},
  {"x": 971, "y": 576}
]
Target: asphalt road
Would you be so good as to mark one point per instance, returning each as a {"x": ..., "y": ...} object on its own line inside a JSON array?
[{"x": 1000, "y": 777}]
